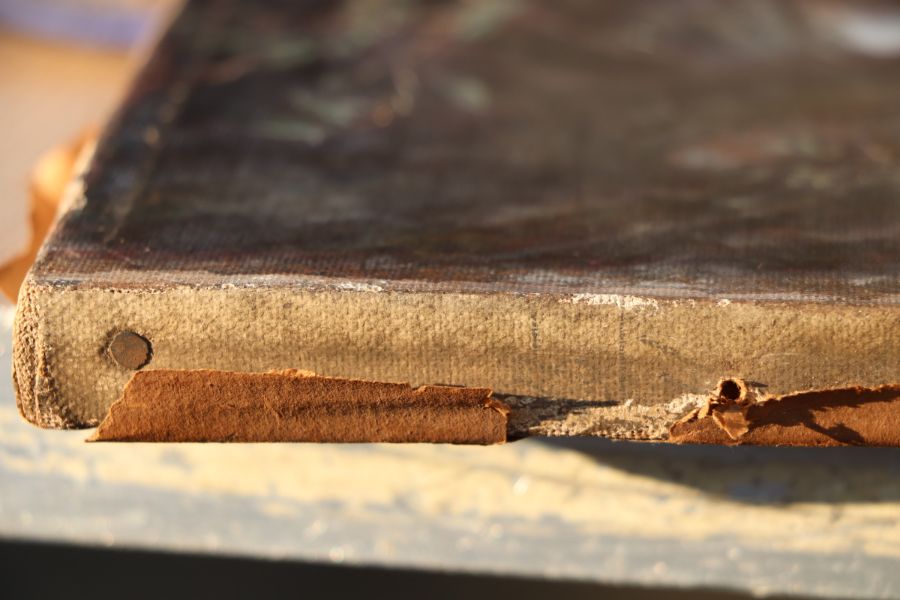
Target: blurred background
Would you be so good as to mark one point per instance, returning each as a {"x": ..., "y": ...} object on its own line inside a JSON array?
[
  {"x": 579, "y": 518},
  {"x": 64, "y": 64}
]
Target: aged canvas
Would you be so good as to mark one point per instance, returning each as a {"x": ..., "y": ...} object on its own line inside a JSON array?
[{"x": 597, "y": 210}]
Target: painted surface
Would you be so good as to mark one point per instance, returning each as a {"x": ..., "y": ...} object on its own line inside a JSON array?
[{"x": 714, "y": 150}]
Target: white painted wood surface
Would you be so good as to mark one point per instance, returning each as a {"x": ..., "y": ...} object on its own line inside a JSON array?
[{"x": 805, "y": 521}]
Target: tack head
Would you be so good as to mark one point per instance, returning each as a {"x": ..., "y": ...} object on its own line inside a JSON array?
[{"x": 130, "y": 350}]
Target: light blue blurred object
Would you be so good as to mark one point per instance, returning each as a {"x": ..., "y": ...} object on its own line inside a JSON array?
[{"x": 117, "y": 24}]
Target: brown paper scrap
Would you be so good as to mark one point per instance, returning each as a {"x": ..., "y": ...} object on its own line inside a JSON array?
[
  {"x": 738, "y": 413},
  {"x": 296, "y": 406}
]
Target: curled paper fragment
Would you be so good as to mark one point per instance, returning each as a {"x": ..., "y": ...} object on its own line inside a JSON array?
[
  {"x": 739, "y": 413},
  {"x": 297, "y": 406}
]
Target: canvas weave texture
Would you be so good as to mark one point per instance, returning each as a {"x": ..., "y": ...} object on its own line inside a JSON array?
[{"x": 596, "y": 210}]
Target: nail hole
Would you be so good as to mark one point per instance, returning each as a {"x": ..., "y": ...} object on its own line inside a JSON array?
[{"x": 730, "y": 389}]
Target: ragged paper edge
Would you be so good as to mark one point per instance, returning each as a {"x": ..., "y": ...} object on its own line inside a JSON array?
[
  {"x": 152, "y": 409},
  {"x": 741, "y": 413}
]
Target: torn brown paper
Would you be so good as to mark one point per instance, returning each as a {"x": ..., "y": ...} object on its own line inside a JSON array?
[
  {"x": 868, "y": 416},
  {"x": 297, "y": 406}
]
